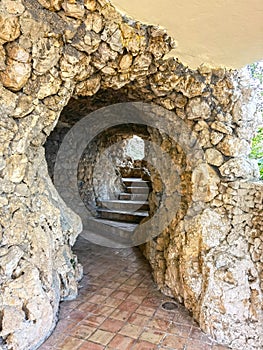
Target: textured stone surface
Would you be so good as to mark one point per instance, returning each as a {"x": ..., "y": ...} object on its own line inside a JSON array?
[{"x": 210, "y": 255}]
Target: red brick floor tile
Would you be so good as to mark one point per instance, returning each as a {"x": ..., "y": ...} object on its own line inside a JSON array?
[
  {"x": 128, "y": 306},
  {"x": 64, "y": 326},
  {"x": 152, "y": 336},
  {"x": 140, "y": 291},
  {"x": 87, "y": 307},
  {"x": 159, "y": 324},
  {"x": 144, "y": 345},
  {"x": 119, "y": 294},
  {"x": 72, "y": 304},
  {"x": 126, "y": 288},
  {"x": 138, "y": 320},
  {"x": 101, "y": 337},
  {"x": 55, "y": 339},
  {"x": 126, "y": 274},
  {"x": 69, "y": 343},
  {"x": 76, "y": 316},
  {"x": 81, "y": 331},
  {"x": 113, "y": 302},
  {"x": 105, "y": 291},
  {"x": 135, "y": 298},
  {"x": 131, "y": 330},
  {"x": 179, "y": 329},
  {"x": 93, "y": 320},
  {"x": 133, "y": 282},
  {"x": 197, "y": 345},
  {"x": 97, "y": 298},
  {"x": 63, "y": 313},
  {"x": 103, "y": 310},
  {"x": 166, "y": 315},
  {"x": 88, "y": 345},
  {"x": 113, "y": 284},
  {"x": 151, "y": 302},
  {"x": 119, "y": 308},
  {"x": 144, "y": 310},
  {"x": 174, "y": 342},
  {"x": 121, "y": 315},
  {"x": 112, "y": 325},
  {"x": 120, "y": 279},
  {"x": 120, "y": 342}
]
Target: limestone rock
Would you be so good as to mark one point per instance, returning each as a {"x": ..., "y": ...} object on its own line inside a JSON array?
[
  {"x": 2, "y": 58},
  {"x": 221, "y": 127},
  {"x": 89, "y": 87},
  {"x": 191, "y": 88},
  {"x": 214, "y": 228},
  {"x": 113, "y": 36},
  {"x": 54, "y": 5},
  {"x": 133, "y": 41},
  {"x": 3, "y": 200},
  {"x": 16, "y": 74},
  {"x": 12, "y": 320},
  {"x": 179, "y": 100},
  {"x": 16, "y": 167},
  {"x": 9, "y": 261},
  {"x": 48, "y": 85},
  {"x": 234, "y": 147},
  {"x": 126, "y": 62},
  {"x": 94, "y": 21},
  {"x": 16, "y": 52},
  {"x": 90, "y": 4},
  {"x": 24, "y": 106},
  {"x": 45, "y": 53},
  {"x": 8, "y": 101},
  {"x": 198, "y": 109},
  {"x": 240, "y": 168},
  {"x": 158, "y": 46},
  {"x": 73, "y": 9},
  {"x": 142, "y": 62},
  {"x": 9, "y": 28},
  {"x": 14, "y": 7},
  {"x": 216, "y": 137},
  {"x": 214, "y": 157}
]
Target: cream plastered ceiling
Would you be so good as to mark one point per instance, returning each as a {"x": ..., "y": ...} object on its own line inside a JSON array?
[{"x": 216, "y": 33}]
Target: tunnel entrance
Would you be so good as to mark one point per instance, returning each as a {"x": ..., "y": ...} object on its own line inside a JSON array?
[{"x": 121, "y": 178}]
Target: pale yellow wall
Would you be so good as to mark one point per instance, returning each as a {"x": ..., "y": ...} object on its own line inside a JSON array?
[{"x": 216, "y": 32}]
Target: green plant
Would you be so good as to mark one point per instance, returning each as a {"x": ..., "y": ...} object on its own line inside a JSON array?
[
  {"x": 256, "y": 72},
  {"x": 257, "y": 150}
]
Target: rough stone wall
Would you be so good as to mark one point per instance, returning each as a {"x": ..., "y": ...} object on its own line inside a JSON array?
[
  {"x": 52, "y": 50},
  {"x": 98, "y": 174}
]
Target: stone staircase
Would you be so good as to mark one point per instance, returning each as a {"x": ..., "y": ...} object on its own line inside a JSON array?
[{"x": 131, "y": 207}]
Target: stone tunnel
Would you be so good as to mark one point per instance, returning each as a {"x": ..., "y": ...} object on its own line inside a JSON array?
[{"x": 61, "y": 63}]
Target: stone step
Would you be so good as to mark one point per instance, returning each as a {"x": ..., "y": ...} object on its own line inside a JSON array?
[
  {"x": 122, "y": 215},
  {"x": 114, "y": 233},
  {"x": 126, "y": 226},
  {"x": 135, "y": 182},
  {"x": 126, "y": 205},
  {"x": 137, "y": 190},
  {"x": 133, "y": 196}
]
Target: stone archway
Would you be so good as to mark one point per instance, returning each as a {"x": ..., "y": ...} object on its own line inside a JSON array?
[{"x": 50, "y": 52}]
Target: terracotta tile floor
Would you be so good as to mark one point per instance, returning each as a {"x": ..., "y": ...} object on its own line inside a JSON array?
[{"x": 119, "y": 308}]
